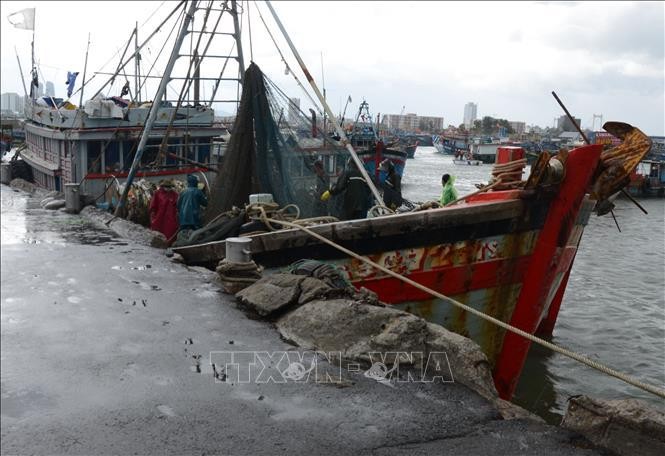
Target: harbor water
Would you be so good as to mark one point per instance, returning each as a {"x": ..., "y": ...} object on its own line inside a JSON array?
[{"x": 613, "y": 310}]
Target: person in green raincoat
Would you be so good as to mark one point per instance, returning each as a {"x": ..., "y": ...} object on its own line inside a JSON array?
[{"x": 449, "y": 193}]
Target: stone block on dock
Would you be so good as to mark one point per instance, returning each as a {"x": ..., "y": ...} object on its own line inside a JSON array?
[{"x": 624, "y": 427}]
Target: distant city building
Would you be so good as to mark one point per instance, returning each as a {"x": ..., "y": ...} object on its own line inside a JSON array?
[
  {"x": 470, "y": 114},
  {"x": 294, "y": 109},
  {"x": 50, "y": 89},
  {"x": 535, "y": 129},
  {"x": 430, "y": 124},
  {"x": 403, "y": 122},
  {"x": 564, "y": 123},
  {"x": 518, "y": 127},
  {"x": 411, "y": 122},
  {"x": 11, "y": 102}
]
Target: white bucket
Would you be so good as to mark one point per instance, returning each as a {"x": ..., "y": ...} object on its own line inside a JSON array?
[
  {"x": 238, "y": 250},
  {"x": 260, "y": 198}
]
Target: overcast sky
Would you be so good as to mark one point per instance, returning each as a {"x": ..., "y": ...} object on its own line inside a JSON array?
[{"x": 428, "y": 57}]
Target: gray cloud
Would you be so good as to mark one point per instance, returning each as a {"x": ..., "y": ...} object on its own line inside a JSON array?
[{"x": 638, "y": 33}]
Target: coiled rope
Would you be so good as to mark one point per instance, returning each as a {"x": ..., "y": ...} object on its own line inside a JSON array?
[
  {"x": 510, "y": 174},
  {"x": 564, "y": 351}
]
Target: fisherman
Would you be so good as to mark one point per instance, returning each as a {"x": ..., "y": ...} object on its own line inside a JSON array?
[
  {"x": 356, "y": 192},
  {"x": 164, "y": 209},
  {"x": 392, "y": 185},
  {"x": 449, "y": 193},
  {"x": 189, "y": 205},
  {"x": 322, "y": 184}
]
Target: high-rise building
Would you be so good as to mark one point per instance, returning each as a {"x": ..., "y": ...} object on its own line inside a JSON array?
[
  {"x": 50, "y": 89},
  {"x": 11, "y": 103},
  {"x": 565, "y": 124},
  {"x": 470, "y": 113}
]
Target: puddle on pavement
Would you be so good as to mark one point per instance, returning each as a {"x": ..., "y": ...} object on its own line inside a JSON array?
[
  {"x": 25, "y": 221},
  {"x": 134, "y": 268},
  {"x": 17, "y": 403}
]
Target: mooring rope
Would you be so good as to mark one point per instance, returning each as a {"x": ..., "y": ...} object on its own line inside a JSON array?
[{"x": 564, "y": 351}]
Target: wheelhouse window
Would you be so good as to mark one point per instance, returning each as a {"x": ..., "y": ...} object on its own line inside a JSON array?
[
  {"x": 128, "y": 152},
  {"x": 94, "y": 156},
  {"x": 150, "y": 152},
  {"x": 204, "y": 150},
  {"x": 112, "y": 157}
]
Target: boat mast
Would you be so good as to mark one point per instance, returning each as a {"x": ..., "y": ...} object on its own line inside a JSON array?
[
  {"x": 339, "y": 130},
  {"x": 25, "y": 90},
  {"x": 236, "y": 35},
  {"x": 33, "y": 70},
  {"x": 137, "y": 64},
  {"x": 85, "y": 68},
  {"x": 155, "y": 105}
]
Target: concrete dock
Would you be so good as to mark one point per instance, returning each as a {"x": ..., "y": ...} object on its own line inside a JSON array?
[{"x": 106, "y": 347}]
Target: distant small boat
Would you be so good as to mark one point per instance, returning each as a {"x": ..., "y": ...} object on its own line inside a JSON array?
[
  {"x": 411, "y": 150},
  {"x": 648, "y": 179},
  {"x": 470, "y": 162}
]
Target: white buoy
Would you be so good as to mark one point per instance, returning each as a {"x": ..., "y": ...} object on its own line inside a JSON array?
[{"x": 237, "y": 250}]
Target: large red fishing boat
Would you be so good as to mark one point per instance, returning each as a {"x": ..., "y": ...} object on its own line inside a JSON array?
[{"x": 506, "y": 252}]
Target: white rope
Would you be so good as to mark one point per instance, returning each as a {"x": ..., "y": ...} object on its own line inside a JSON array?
[{"x": 564, "y": 351}]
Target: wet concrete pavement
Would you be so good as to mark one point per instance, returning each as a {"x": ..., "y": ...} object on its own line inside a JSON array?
[{"x": 106, "y": 348}]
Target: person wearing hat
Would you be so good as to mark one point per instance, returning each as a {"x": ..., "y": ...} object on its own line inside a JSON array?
[
  {"x": 163, "y": 209},
  {"x": 392, "y": 185},
  {"x": 322, "y": 184},
  {"x": 448, "y": 194},
  {"x": 189, "y": 205},
  {"x": 356, "y": 192}
]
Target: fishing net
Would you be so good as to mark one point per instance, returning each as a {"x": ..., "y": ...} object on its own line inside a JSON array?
[{"x": 273, "y": 149}]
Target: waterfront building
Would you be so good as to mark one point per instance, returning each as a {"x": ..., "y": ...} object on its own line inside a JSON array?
[
  {"x": 518, "y": 127},
  {"x": 412, "y": 122}
]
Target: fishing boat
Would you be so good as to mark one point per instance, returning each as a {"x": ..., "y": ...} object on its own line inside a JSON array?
[
  {"x": 411, "y": 150},
  {"x": 437, "y": 142},
  {"x": 372, "y": 150},
  {"x": 506, "y": 250},
  {"x": 466, "y": 160},
  {"x": 648, "y": 179},
  {"x": 104, "y": 142}
]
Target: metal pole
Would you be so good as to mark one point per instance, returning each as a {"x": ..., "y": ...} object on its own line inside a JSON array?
[
  {"x": 236, "y": 35},
  {"x": 339, "y": 130},
  {"x": 85, "y": 67},
  {"x": 25, "y": 90},
  {"x": 155, "y": 106},
  {"x": 137, "y": 64}
]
